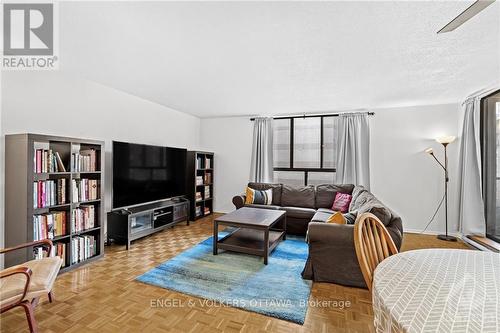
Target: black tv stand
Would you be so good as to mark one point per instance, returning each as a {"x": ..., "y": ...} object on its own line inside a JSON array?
[{"x": 128, "y": 224}]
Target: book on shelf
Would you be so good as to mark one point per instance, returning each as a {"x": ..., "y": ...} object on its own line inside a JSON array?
[
  {"x": 207, "y": 192},
  {"x": 83, "y": 218},
  {"x": 49, "y": 225},
  {"x": 48, "y": 193},
  {"x": 46, "y": 160},
  {"x": 58, "y": 249},
  {"x": 208, "y": 163},
  {"x": 84, "y": 161},
  {"x": 208, "y": 178},
  {"x": 207, "y": 210},
  {"x": 82, "y": 248},
  {"x": 198, "y": 210},
  {"x": 199, "y": 162},
  {"x": 199, "y": 180},
  {"x": 85, "y": 189},
  {"x": 198, "y": 196}
]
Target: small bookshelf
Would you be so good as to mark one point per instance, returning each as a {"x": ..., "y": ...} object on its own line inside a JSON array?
[
  {"x": 200, "y": 183},
  {"x": 53, "y": 190}
]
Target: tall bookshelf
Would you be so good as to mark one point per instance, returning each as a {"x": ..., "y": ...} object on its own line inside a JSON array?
[
  {"x": 22, "y": 204},
  {"x": 200, "y": 183}
]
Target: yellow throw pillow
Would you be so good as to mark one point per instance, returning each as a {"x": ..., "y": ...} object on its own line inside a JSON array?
[{"x": 337, "y": 218}]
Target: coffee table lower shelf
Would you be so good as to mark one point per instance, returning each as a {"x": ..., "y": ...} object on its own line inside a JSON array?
[{"x": 250, "y": 241}]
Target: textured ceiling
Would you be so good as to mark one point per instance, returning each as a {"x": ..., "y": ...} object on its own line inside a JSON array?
[{"x": 246, "y": 58}]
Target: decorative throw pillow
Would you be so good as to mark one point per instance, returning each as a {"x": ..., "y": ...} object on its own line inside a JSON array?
[
  {"x": 337, "y": 218},
  {"x": 259, "y": 197},
  {"x": 341, "y": 202}
]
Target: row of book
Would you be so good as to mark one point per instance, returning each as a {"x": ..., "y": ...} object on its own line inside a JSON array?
[
  {"x": 82, "y": 248},
  {"x": 199, "y": 196},
  {"x": 83, "y": 218},
  {"x": 48, "y": 193},
  {"x": 84, "y": 161},
  {"x": 49, "y": 225},
  {"x": 206, "y": 179},
  {"x": 85, "y": 189},
  {"x": 203, "y": 163},
  {"x": 58, "y": 249},
  {"x": 200, "y": 209},
  {"x": 207, "y": 192},
  {"x": 46, "y": 160}
]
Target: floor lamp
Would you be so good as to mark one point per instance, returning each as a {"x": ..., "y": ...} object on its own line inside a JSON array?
[{"x": 445, "y": 141}]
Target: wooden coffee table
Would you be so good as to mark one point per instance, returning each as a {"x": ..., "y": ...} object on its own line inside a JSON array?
[{"x": 254, "y": 234}]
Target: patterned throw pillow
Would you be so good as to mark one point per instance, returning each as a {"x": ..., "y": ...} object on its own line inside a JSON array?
[
  {"x": 337, "y": 218},
  {"x": 351, "y": 217},
  {"x": 259, "y": 197},
  {"x": 341, "y": 202}
]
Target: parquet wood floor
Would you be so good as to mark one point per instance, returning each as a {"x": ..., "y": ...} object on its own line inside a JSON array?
[{"x": 103, "y": 296}]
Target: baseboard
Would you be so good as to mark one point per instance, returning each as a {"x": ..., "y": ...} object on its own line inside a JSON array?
[{"x": 431, "y": 232}]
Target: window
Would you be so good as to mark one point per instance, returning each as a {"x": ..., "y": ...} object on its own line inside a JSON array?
[{"x": 304, "y": 150}]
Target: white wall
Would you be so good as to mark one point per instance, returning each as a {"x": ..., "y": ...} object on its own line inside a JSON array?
[
  {"x": 403, "y": 176},
  {"x": 54, "y": 103},
  {"x": 231, "y": 140}
]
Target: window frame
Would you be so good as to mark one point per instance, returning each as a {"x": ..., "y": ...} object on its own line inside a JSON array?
[{"x": 321, "y": 146}]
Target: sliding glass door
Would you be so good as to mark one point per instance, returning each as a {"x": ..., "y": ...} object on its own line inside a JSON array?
[
  {"x": 496, "y": 228},
  {"x": 490, "y": 137}
]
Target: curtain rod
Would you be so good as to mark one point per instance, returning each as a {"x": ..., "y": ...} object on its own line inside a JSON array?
[{"x": 318, "y": 115}]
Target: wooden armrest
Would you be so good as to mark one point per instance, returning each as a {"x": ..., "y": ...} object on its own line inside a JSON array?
[
  {"x": 46, "y": 242},
  {"x": 18, "y": 270}
]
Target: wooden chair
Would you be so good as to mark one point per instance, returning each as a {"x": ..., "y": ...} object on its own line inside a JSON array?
[
  {"x": 24, "y": 284},
  {"x": 373, "y": 243}
]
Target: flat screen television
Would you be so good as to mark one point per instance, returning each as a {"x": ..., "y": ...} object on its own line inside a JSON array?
[{"x": 144, "y": 173}]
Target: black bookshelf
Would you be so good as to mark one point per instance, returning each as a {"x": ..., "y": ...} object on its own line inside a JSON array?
[
  {"x": 200, "y": 183},
  {"x": 21, "y": 177}
]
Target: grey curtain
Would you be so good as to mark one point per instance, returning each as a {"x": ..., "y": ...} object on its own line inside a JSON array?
[
  {"x": 261, "y": 169},
  {"x": 471, "y": 209},
  {"x": 353, "y": 152}
]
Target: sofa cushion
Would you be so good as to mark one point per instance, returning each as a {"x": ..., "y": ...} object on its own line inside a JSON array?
[
  {"x": 298, "y": 196},
  {"x": 321, "y": 216},
  {"x": 299, "y": 212},
  {"x": 265, "y": 186},
  {"x": 325, "y": 193},
  {"x": 263, "y": 206},
  {"x": 326, "y": 210}
]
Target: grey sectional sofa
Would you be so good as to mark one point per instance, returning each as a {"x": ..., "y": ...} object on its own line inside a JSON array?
[{"x": 332, "y": 257}]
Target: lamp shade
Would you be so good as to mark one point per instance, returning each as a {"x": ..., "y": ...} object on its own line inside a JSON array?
[
  {"x": 446, "y": 139},
  {"x": 429, "y": 151}
]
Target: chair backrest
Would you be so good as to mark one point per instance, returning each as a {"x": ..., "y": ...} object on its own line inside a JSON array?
[{"x": 373, "y": 243}]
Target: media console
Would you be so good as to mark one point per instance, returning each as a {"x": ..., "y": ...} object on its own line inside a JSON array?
[{"x": 126, "y": 225}]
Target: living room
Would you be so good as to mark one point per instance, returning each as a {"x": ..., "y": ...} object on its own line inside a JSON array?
[{"x": 261, "y": 114}]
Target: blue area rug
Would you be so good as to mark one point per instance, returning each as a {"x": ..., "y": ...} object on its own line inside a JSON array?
[{"x": 241, "y": 280}]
